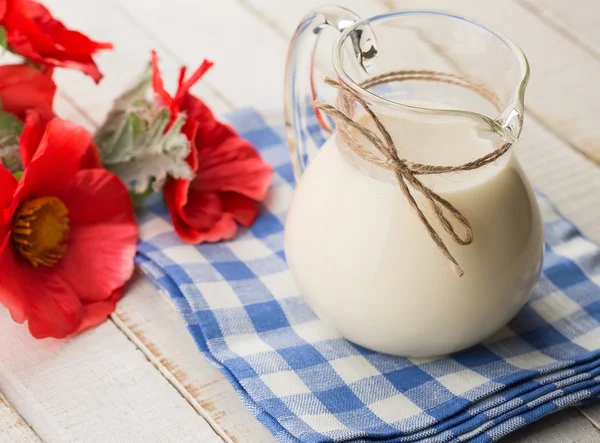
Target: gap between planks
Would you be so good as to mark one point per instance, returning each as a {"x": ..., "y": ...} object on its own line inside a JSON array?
[
  {"x": 170, "y": 371},
  {"x": 67, "y": 98},
  {"x": 12, "y": 426}
]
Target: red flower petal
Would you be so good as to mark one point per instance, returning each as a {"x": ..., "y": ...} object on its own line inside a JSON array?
[
  {"x": 202, "y": 219},
  {"x": 230, "y": 178},
  {"x": 24, "y": 88},
  {"x": 157, "y": 83},
  {"x": 9, "y": 298},
  {"x": 202, "y": 210},
  {"x": 230, "y": 175},
  {"x": 224, "y": 229},
  {"x": 56, "y": 159},
  {"x": 184, "y": 86},
  {"x": 210, "y": 131},
  {"x": 226, "y": 161},
  {"x": 32, "y": 32},
  {"x": 103, "y": 235},
  {"x": 8, "y": 184},
  {"x": 96, "y": 312},
  {"x": 234, "y": 166},
  {"x": 191, "y": 226},
  {"x": 32, "y": 134},
  {"x": 49, "y": 304},
  {"x": 91, "y": 159},
  {"x": 189, "y": 129},
  {"x": 175, "y": 192},
  {"x": 244, "y": 209}
]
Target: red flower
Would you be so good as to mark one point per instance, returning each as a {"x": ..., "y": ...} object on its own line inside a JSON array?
[
  {"x": 24, "y": 88},
  {"x": 67, "y": 234},
  {"x": 231, "y": 178},
  {"x": 32, "y": 32}
]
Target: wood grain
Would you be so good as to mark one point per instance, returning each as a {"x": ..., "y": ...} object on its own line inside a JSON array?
[{"x": 12, "y": 426}]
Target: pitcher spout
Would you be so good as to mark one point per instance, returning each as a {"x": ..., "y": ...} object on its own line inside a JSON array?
[{"x": 510, "y": 125}]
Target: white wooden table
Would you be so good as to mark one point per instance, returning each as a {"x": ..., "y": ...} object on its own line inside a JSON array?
[{"x": 139, "y": 377}]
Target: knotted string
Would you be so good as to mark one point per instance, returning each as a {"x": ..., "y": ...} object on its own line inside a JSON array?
[{"x": 405, "y": 171}]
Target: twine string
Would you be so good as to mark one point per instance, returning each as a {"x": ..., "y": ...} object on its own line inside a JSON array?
[{"x": 406, "y": 172}]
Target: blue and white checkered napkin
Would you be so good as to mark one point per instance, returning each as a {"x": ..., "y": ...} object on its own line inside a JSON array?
[{"x": 306, "y": 383}]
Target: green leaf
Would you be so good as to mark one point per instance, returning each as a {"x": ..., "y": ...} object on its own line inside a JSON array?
[
  {"x": 3, "y": 41},
  {"x": 145, "y": 158},
  {"x": 10, "y": 132},
  {"x": 134, "y": 145},
  {"x": 133, "y": 98},
  {"x": 10, "y": 124}
]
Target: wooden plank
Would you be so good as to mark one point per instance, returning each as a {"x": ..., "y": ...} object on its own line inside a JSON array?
[
  {"x": 577, "y": 20},
  {"x": 95, "y": 387},
  {"x": 563, "y": 75},
  {"x": 12, "y": 426},
  {"x": 149, "y": 320},
  {"x": 567, "y": 426},
  {"x": 120, "y": 66}
]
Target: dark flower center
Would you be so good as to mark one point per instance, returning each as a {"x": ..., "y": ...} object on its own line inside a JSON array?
[{"x": 41, "y": 230}]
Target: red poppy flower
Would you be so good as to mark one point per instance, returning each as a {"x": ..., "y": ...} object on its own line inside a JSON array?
[
  {"x": 32, "y": 32},
  {"x": 67, "y": 234},
  {"x": 24, "y": 88},
  {"x": 231, "y": 178}
]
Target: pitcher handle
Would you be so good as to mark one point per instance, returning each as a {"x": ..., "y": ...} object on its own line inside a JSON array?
[{"x": 306, "y": 128}]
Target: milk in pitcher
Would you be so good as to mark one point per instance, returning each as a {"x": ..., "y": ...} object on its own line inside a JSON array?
[{"x": 365, "y": 263}]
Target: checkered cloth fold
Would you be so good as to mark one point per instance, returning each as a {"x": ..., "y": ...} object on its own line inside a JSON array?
[{"x": 305, "y": 383}]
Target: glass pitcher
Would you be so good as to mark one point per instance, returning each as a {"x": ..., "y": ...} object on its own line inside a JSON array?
[{"x": 438, "y": 91}]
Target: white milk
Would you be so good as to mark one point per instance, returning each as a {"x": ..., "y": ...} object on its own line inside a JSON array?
[{"x": 365, "y": 263}]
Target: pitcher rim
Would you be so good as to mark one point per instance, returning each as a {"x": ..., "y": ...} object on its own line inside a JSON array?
[{"x": 518, "y": 95}]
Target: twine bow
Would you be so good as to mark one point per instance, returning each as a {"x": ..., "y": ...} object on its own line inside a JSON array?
[{"x": 406, "y": 172}]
